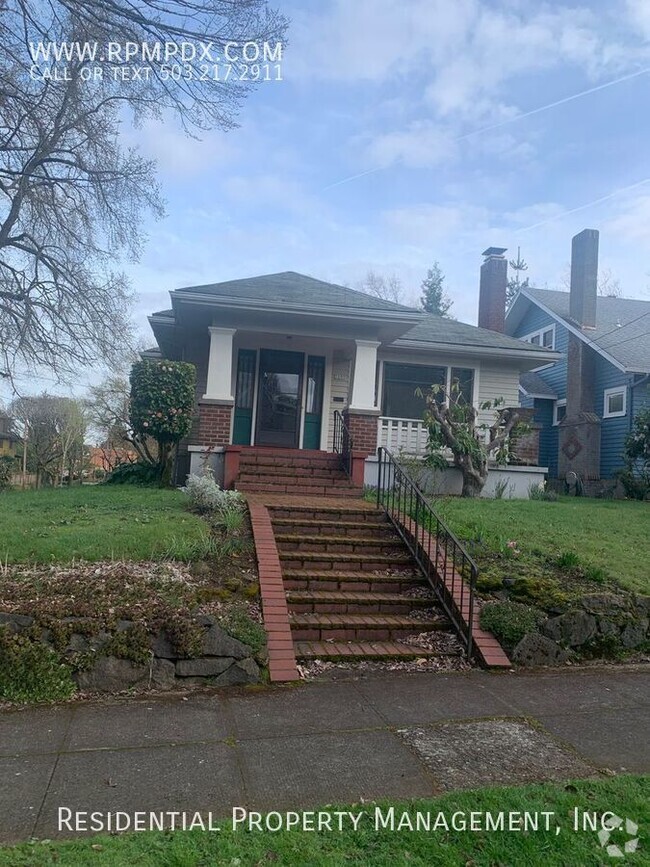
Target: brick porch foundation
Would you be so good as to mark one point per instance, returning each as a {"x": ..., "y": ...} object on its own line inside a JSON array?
[{"x": 214, "y": 423}]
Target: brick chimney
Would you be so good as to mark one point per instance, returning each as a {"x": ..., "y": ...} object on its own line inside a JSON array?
[
  {"x": 579, "y": 433},
  {"x": 584, "y": 278},
  {"x": 492, "y": 291}
]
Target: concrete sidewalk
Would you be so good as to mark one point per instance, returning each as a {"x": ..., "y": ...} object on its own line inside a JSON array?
[{"x": 394, "y": 736}]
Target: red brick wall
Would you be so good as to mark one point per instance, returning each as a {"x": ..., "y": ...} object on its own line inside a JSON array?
[
  {"x": 363, "y": 429},
  {"x": 214, "y": 424},
  {"x": 525, "y": 446}
]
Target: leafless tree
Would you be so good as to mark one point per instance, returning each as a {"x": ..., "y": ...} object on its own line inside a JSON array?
[
  {"x": 609, "y": 286},
  {"x": 71, "y": 196},
  {"x": 53, "y": 430},
  {"x": 108, "y": 411},
  {"x": 387, "y": 288}
]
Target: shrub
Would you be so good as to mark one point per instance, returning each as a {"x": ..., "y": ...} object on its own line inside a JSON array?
[
  {"x": 30, "y": 671},
  {"x": 541, "y": 492},
  {"x": 567, "y": 561},
  {"x": 161, "y": 406},
  {"x": 207, "y": 497},
  {"x": 237, "y": 622},
  {"x": 7, "y": 467},
  {"x": 510, "y": 621},
  {"x": 134, "y": 474}
]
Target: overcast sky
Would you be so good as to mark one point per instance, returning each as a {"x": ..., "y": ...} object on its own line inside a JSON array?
[{"x": 429, "y": 101}]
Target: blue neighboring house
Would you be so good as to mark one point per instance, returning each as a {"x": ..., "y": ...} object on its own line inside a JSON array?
[{"x": 620, "y": 342}]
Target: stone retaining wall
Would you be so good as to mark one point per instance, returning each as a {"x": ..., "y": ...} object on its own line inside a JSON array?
[{"x": 98, "y": 666}]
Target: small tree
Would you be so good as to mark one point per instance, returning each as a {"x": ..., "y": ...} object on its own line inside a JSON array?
[
  {"x": 434, "y": 299},
  {"x": 636, "y": 475},
  {"x": 454, "y": 425},
  {"x": 515, "y": 284},
  {"x": 162, "y": 402}
]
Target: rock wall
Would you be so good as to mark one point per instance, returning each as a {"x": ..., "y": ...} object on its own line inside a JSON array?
[{"x": 100, "y": 661}]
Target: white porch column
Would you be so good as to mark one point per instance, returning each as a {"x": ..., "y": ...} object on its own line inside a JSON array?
[
  {"x": 219, "y": 384},
  {"x": 365, "y": 371}
]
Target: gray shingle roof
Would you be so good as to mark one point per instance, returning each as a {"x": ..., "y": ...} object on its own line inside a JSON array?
[
  {"x": 533, "y": 384},
  {"x": 622, "y": 326},
  {"x": 294, "y": 288},
  {"x": 436, "y": 330}
]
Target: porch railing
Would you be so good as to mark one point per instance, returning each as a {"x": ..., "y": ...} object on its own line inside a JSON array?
[
  {"x": 406, "y": 435},
  {"x": 448, "y": 567},
  {"x": 342, "y": 443}
]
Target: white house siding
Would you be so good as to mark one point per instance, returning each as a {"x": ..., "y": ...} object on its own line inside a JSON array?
[
  {"x": 497, "y": 381},
  {"x": 339, "y": 388}
]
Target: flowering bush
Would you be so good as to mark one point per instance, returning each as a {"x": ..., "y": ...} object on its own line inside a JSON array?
[
  {"x": 206, "y": 496},
  {"x": 161, "y": 406}
]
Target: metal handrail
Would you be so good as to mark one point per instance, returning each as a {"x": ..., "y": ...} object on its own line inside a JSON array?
[
  {"x": 343, "y": 442},
  {"x": 441, "y": 556}
]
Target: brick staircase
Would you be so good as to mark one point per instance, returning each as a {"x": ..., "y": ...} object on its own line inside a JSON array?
[
  {"x": 288, "y": 471},
  {"x": 352, "y": 587}
]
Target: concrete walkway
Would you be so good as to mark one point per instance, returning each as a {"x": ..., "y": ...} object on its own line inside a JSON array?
[{"x": 392, "y": 736}]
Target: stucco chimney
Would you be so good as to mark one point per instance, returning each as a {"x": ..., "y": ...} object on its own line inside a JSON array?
[
  {"x": 584, "y": 278},
  {"x": 492, "y": 290}
]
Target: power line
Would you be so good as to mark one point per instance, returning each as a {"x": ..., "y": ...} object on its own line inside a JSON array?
[{"x": 624, "y": 325}]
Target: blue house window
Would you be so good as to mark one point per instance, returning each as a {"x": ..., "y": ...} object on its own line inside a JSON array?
[{"x": 615, "y": 402}]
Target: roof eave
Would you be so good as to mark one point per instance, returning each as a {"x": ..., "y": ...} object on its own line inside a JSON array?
[
  {"x": 251, "y": 304},
  {"x": 537, "y": 356}
]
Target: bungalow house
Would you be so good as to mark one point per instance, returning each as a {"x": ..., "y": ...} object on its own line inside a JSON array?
[
  {"x": 280, "y": 358},
  {"x": 585, "y": 402}
]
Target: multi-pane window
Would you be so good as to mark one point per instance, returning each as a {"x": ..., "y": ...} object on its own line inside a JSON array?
[
  {"x": 403, "y": 381},
  {"x": 544, "y": 337}
]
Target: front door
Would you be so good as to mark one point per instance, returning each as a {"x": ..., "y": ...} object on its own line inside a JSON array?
[{"x": 279, "y": 398}]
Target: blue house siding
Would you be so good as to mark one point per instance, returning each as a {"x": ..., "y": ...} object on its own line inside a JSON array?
[
  {"x": 555, "y": 375},
  {"x": 548, "y": 440},
  {"x": 613, "y": 430}
]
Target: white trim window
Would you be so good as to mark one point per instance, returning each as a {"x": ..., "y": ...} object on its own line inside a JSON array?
[
  {"x": 615, "y": 402},
  {"x": 543, "y": 337},
  {"x": 559, "y": 411}
]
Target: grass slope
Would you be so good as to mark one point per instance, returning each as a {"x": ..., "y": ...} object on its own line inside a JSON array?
[
  {"x": 97, "y": 522},
  {"x": 611, "y": 534},
  {"x": 626, "y": 796}
]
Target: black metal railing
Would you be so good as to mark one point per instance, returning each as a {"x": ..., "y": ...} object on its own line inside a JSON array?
[
  {"x": 343, "y": 442},
  {"x": 448, "y": 567}
]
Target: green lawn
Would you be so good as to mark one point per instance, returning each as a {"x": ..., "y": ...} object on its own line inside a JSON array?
[
  {"x": 628, "y": 797},
  {"x": 613, "y": 535},
  {"x": 97, "y": 522}
]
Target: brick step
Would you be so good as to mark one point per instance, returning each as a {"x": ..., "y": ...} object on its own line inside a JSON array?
[
  {"x": 323, "y": 512},
  {"x": 288, "y": 542},
  {"x": 316, "y": 471},
  {"x": 361, "y": 650},
  {"x": 288, "y": 478},
  {"x": 296, "y": 459},
  {"x": 360, "y": 627},
  {"x": 367, "y": 562},
  {"x": 297, "y": 489},
  {"x": 340, "y": 602},
  {"x": 342, "y": 527},
  {"x": 352, "y": 582}
]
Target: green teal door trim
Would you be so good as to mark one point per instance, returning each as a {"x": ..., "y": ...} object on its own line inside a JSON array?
[
  {"x": 314, "y": 388},
  {"x": 244, "y": 393}
]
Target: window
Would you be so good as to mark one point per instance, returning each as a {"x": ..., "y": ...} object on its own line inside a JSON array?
[
  {"x": 615, "y": 402},
  {"x": 400, "y": 384},
  {"x": 544, "y": 337},
  {"x": 402, "y": 380},
  {"x": 559, "y": 411}
]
